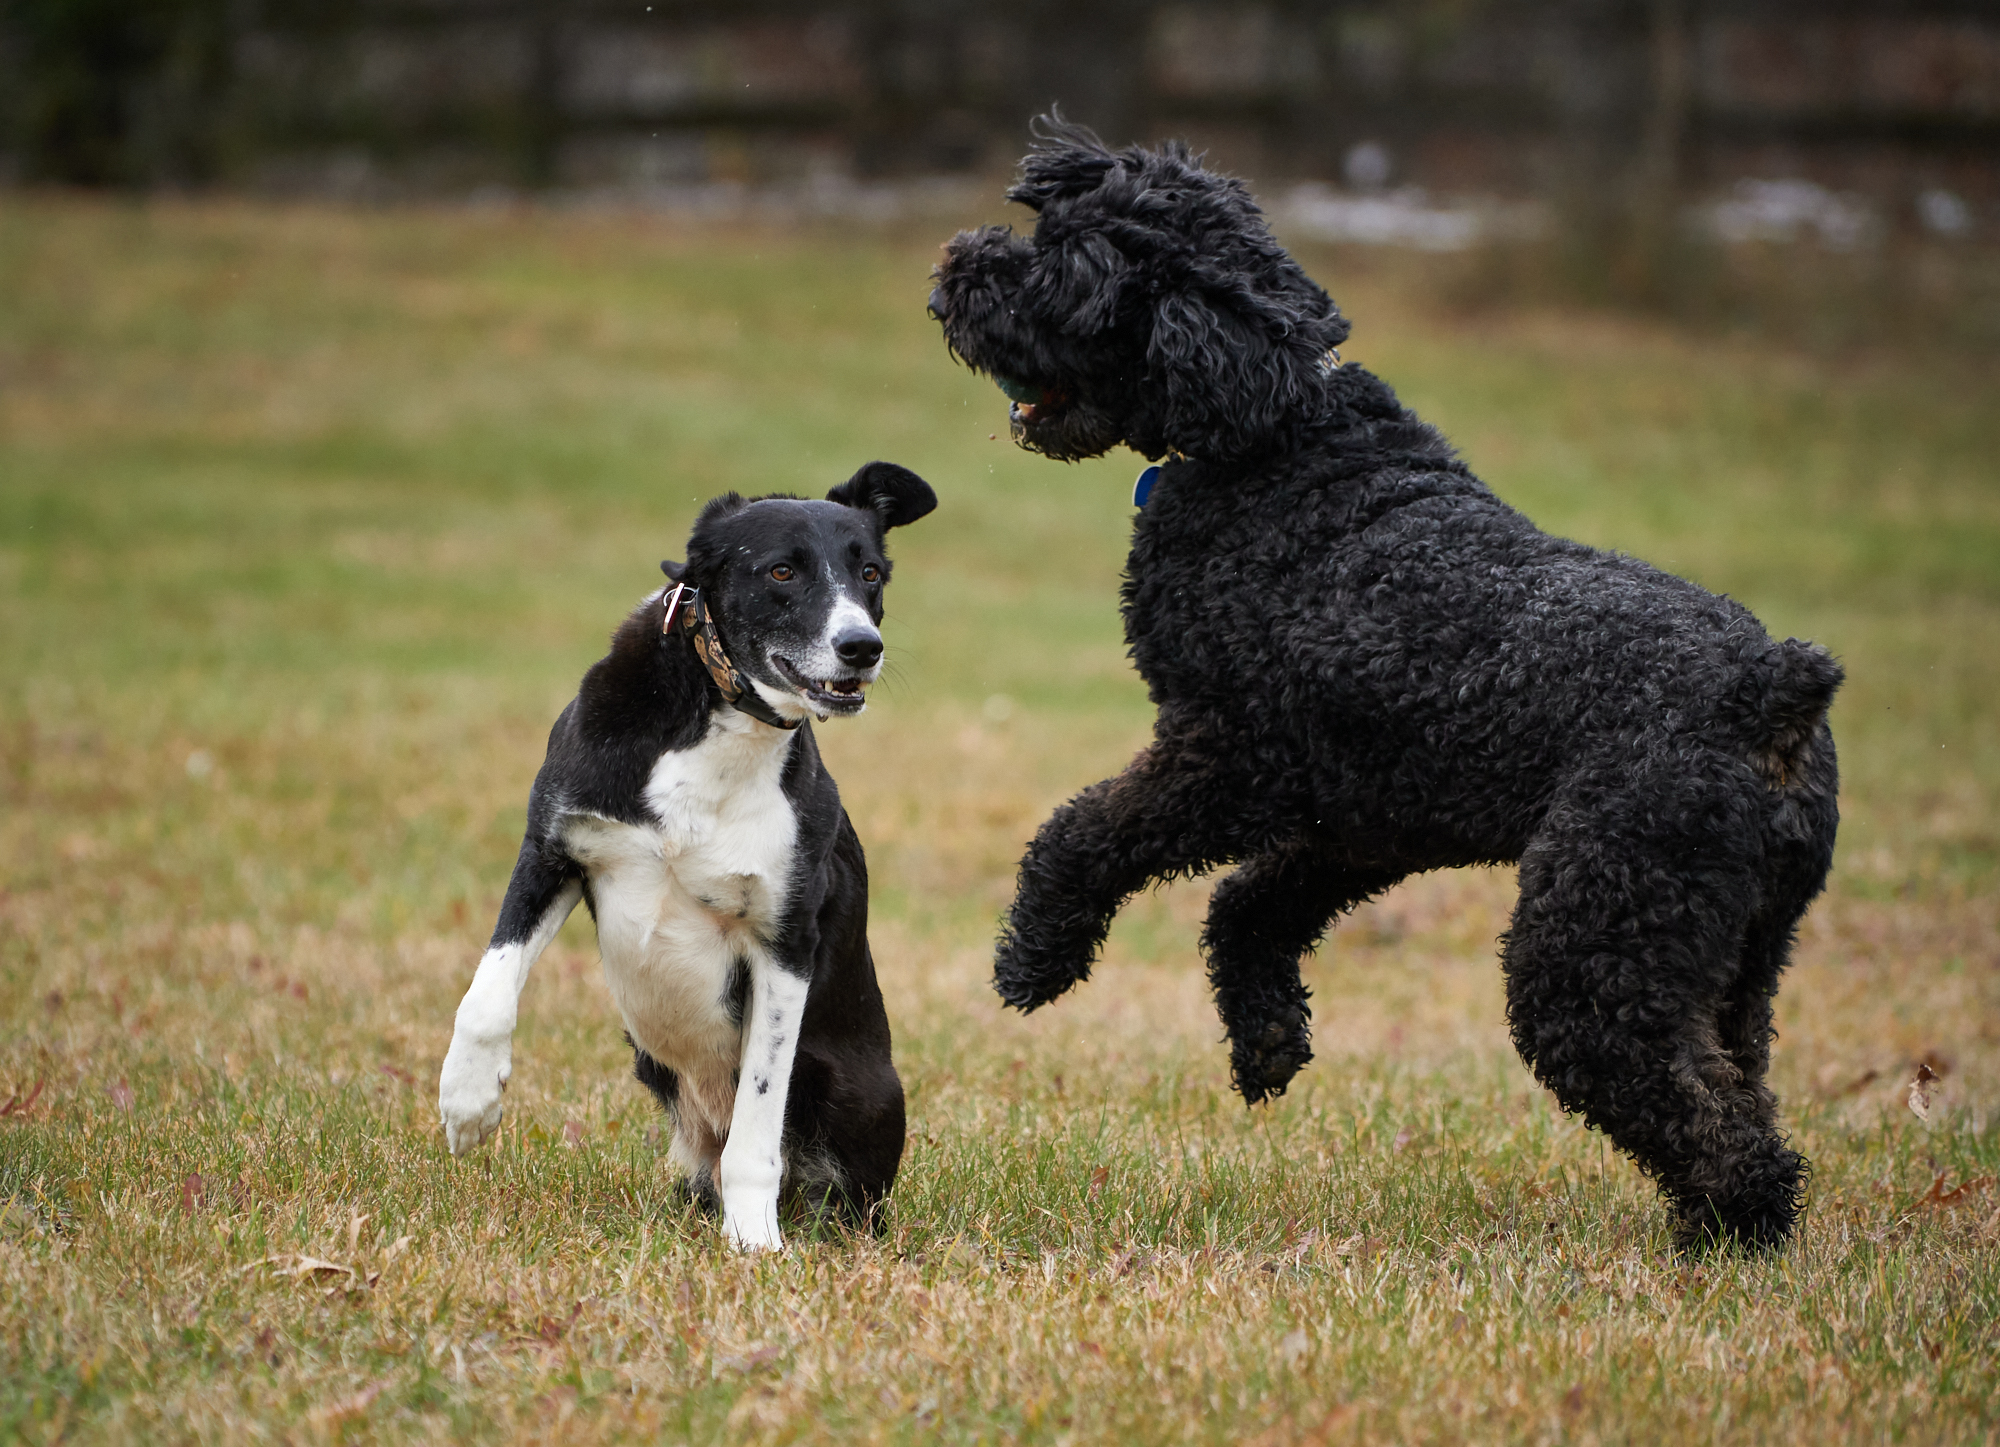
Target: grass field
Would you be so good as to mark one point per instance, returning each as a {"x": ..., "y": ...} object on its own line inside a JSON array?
[{"x": 309, "y": 521}]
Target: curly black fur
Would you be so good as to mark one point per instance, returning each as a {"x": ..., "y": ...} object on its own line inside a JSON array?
[{"x": 1366, "y": 665}]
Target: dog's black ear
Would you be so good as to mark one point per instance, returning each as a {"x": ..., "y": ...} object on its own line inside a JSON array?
[
  {"x": 674, "y": 571},
  {"x": 1066, "y": 159},
  {"x": 1232, "y": 366},
  {"x": 895, "y": 494},
  {"x": 1087, "y": 281}
]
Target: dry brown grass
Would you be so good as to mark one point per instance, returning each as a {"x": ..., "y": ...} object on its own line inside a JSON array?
[{"x": 337, "y": 506}]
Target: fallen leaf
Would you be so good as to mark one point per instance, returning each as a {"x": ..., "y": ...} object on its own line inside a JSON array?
[
  {"x": 355, "y": 1405},
  {"x": 17, "y": 1106},
  {"x": 308, "y": 1265},
  {"x": 1402, "y": 1139},
  {"x": 192, "y": 1190},
  {"x": 572, "y": 1133},
  {"x": 1097, "y": 1179},
  {"x": 1092, "y": 1347},
  {"x": 1937, "y": 1197},
  {"x": 121, "y": 1096},
  {"x": 1920, "y": 1090},
  {"x": 354, "y": 1232}
]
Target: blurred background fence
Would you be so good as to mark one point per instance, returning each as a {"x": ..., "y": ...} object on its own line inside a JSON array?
[{"x": 1619, "y": 146}]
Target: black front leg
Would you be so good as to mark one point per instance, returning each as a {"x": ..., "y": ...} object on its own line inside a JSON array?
[
  {"x": 1263, "y": 918},
  {"x": 1171, "y": 813}
]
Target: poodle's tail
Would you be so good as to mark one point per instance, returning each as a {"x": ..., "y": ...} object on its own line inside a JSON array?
[{"x": 1798, "y": 681}]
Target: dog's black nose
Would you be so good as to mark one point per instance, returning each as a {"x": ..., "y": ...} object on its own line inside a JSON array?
[
  {"x": 936, "y": 304},
  {"x": 858, "y": 647}
]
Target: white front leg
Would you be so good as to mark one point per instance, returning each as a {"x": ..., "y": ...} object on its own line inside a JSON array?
[
  {"x": 481, "y": 1057},
  {"x": 753, "y": 1159}
]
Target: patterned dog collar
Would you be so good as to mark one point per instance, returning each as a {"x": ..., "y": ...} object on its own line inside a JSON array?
[{"x": 687, "y": 614}]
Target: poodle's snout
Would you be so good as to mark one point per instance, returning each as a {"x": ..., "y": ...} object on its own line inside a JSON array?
[{"x": 936, "y": 304}]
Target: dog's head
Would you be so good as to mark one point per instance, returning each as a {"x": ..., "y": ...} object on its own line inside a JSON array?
[
  {"x": 795, "y": 586},
  {"x": 1151, "y": 306}
]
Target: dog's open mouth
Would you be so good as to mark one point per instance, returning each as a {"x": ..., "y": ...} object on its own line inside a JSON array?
[
  {"x": 834, "y": 695},
  {"x": 1032, "y": 401}
]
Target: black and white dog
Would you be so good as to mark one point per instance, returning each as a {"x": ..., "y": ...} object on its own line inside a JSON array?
[{"x": 683, "y": 799}]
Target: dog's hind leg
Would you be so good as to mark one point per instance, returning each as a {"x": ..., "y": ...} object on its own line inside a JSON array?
[
  {"x": 697, "y": 1145},
  {"x": 1802, "y": 821},
  {"x": 1626, "y": 981},
  {"x": 1173, "y": 812},
  {"x": 1262, "y": 919}
]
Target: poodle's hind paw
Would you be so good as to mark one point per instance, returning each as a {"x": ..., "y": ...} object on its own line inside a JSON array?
[
  {"x": 1758, "y": 1216},
  {"x": 1265, "y": 1056}
]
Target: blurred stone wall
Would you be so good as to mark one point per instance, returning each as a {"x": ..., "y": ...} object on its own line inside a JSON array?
[{"x": 1898, "y": 99}]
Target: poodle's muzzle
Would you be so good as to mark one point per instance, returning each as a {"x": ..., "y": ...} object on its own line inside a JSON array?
[{"x": 993, "y": 326}]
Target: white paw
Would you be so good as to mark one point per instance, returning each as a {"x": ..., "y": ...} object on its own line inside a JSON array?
[
  {"x": 753, "y": 1227},
  {"x": 469, "y": 1091}
]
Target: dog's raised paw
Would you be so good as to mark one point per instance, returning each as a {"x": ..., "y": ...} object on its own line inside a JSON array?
[
  {"x": 1264, "y": 1062},
  {"x": 1028, "y": 978}
]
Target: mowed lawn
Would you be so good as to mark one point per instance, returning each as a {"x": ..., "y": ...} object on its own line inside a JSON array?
[{"x": 309, "y": 521}]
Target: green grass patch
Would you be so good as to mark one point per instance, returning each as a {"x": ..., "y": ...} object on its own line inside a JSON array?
[{"x": 309, "y": 521}]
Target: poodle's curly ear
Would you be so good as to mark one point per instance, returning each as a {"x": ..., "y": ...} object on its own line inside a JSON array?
[
  {"x": 1229, "y": 374},
  {"x": 1086, "y": 279},
  {"x": 894, "y": 494},
  {"x": 1066, "y": 159},
  {"x": 1233, "y": 369}
]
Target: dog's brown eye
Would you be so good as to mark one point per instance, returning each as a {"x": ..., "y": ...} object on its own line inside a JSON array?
[
  {"x": 782, "y": 573},
  {"x": 871, "y": 574}
]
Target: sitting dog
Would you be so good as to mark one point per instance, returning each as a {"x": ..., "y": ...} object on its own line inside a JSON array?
[
  {"x": 683, "y": 799},
  {"x": 1366, "y": 665}
]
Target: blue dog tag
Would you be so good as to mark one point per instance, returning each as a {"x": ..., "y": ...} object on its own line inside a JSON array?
[{"x": 1143, "y": 488}]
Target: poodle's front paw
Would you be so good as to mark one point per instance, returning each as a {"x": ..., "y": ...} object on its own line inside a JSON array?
[
  {"x": 1267, "y": 1054},
  {"x": 1028, "y": 972},
  {"x": 469, "y": 1090}
]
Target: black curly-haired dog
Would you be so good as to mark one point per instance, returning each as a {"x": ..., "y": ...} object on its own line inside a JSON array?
[{"x": 1366, "y": 665}]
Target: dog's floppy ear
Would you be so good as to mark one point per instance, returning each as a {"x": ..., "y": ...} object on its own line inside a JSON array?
[
  {"x": 1088, "y": 277},
  {"x": 1066, "y": 159},
  {"x": 674, "y": 571},
  {"x": 895, "y": 494},
  {"x": 1232, "y": 367}
]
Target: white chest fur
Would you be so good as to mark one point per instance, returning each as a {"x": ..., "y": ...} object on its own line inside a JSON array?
[{"x": 681, "y": 905}]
